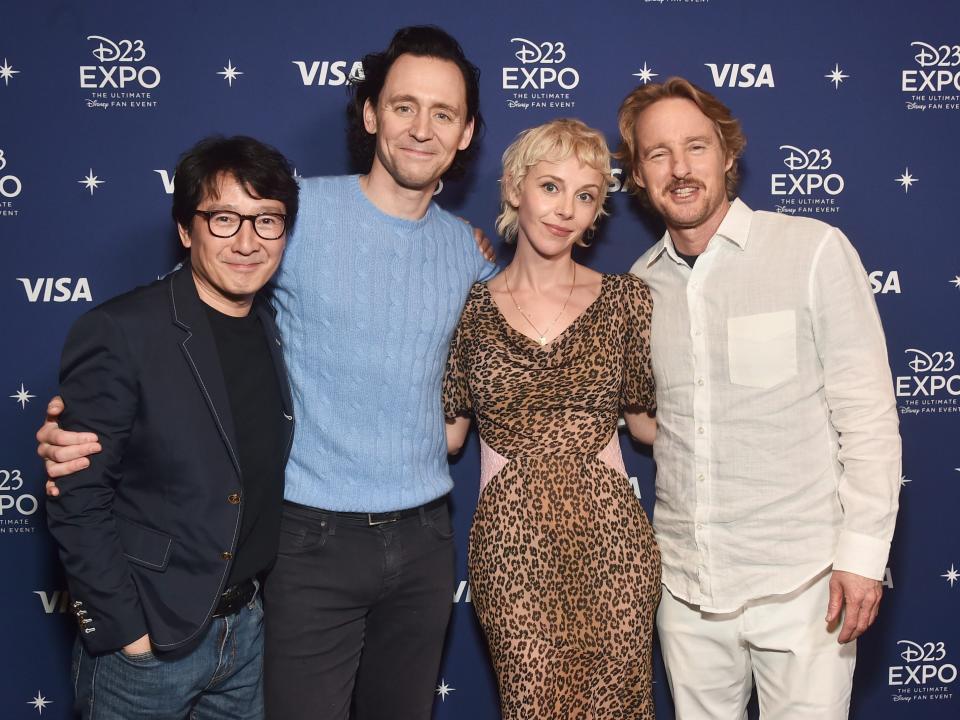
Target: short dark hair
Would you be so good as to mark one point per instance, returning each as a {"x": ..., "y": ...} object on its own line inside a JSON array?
[
  {"x": 255, "y": 165},
  {"x": 422, "y": 41}
]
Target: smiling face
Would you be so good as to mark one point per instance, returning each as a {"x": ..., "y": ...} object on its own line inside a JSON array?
[
  {"x": 681, "y": 164},
  {"x": 229, "y": 271},
  {"x": 556, "y": 203},
  {"x": 420, "y": 121}
]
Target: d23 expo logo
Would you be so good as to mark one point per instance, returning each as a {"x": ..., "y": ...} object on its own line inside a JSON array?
[
  {"x": 934, "y": 84},
  {"x": 543, "y": 79},
  {"x": 17, "y": 508},
  {"x": 10, "y": 188},
  {"x": 811, "y": 184},
  {"x": 924, "y": 673},
  {"x": 120, "y": 80},
  {"x": 933, "y": 385}
]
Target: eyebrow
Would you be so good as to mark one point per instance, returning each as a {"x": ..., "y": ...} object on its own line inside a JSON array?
[
  {"x": 218, "y": 206},
  {"x": 690, "y": 139},
  {"x": 416, "y": 101},
  {"x": 556, "y": 179}
]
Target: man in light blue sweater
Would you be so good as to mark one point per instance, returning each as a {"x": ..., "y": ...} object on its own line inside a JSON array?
[{"x": 367, "y": 299}]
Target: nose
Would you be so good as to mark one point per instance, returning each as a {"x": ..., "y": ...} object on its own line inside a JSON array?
[
  {"x": 246, "y": 241},
  {"x": 681, "y": 167},
  {"x": 420, "y": 127},
  {"x": 564, "y": 208}
]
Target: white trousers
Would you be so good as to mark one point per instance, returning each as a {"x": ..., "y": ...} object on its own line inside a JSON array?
[{"x": 781, "y": 642}]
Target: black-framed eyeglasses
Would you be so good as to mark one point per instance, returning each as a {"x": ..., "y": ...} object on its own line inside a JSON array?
[{"x": 226, "y": 223}]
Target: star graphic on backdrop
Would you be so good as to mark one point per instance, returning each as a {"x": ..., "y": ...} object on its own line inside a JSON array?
[
  {"x": 951, "y": 575},
  {"x": 39, "y": 702},
  {"x": 22, "y": 396},
  {"x": 956, "y": 281},
  {"x": 906, "y": 180},
  {"x": 91, "y": 182},
  {"x": 443, "y": 690},
  {"x": 645, "y": 74},
  {"x": 297, "y": 175},
  {"x": 230, "y": 73},
  {"x": 836, "y": 76},
  {"x": 904, "y": 480},
  {"x": 7, "y": 72}
]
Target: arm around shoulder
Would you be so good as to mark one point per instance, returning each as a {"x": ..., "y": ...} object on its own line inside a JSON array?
[{"x": 99, "y": 385}]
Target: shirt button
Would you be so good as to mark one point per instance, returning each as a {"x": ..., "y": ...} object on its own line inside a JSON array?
[
  {"x": 700, "y": 477},
  {"x": 700, "y": 382},
  {"x": 226, "y": 555},
  {"x": 234, "y": 498},
  {"x": 700, "y": 430},
  {"x": 698, "y": 333},
  {"x": 699, "y": 526}
]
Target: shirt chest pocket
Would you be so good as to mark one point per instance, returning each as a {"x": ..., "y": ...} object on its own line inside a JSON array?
[{"x": 762, "y": 349}]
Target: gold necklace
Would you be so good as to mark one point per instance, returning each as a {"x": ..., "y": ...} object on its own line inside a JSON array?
[{"x": 542, "y": 336}]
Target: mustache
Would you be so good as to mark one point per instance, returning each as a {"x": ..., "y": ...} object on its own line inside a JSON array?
[{"x": 685, "y": 182}]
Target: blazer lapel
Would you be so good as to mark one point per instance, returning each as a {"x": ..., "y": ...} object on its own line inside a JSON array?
[
  {"x": 265, "y": 313},
  {"x": 200, "y": 350}
]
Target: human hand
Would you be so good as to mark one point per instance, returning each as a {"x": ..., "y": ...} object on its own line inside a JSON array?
[
  {"x": 63, "y": 452},
  {"x": 483, "y": 243},
  {"x": 139, "y": 646},
  {"x": 858, "y": 597}
]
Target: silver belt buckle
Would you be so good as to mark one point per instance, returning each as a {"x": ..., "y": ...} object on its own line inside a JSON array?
[{"x": 371, "y": 522}]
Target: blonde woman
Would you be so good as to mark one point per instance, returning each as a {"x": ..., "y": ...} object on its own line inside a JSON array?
[{"x": 564, "y": 570}]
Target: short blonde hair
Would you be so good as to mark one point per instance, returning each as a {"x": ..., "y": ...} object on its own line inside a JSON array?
[
  {"x": 554, "y": 141},
  {"x": 732, "y": 140}
]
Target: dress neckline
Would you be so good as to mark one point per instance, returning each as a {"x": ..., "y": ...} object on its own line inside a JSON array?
[{"x": 529, "y": 341}]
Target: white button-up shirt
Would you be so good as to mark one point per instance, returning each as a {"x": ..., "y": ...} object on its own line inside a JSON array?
[{"x": 777, "y": 447}]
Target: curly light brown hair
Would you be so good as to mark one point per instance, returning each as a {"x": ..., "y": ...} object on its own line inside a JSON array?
[{"x": 553, "y": 141}]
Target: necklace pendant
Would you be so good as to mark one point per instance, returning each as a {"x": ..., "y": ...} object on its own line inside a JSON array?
[{"x": 542, "y": 340}]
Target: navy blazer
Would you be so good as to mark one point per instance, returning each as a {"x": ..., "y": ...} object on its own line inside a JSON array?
[{"x": 147, "y": 532}]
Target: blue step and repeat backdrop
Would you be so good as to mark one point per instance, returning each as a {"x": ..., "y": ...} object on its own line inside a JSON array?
[{"x": 851, "y": 111}]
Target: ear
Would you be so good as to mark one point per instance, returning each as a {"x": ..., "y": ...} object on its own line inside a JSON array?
[
  {"x": 467, "y": 136},
  {"x": 369, "y": 117},
  {"x": 637, "y": 178},
  {"x": 184, "y": 236},
  {"x": 513, "y": 195},
  {"x": 728, "y": 164}
]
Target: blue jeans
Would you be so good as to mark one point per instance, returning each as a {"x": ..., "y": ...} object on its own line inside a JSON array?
[{"x": 220, "y": 678}]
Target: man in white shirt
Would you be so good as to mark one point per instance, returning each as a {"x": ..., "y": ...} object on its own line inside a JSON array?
[{"x": 778, "y": 453}]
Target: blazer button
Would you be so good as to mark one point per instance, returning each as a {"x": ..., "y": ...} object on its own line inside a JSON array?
[
  {"x": 234, "y": 499},
  {"x": 226, "y": 555}
]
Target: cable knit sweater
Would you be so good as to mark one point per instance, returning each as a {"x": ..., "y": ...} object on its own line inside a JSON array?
[{"x": 367, "y": 304}]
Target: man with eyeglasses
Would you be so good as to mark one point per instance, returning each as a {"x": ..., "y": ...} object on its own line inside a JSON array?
[
  {"x": 368, "y": 298},
  {"x": 165, "y": 535}
]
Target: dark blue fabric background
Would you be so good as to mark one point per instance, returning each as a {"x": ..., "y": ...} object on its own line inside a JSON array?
[{"x": 54, "y": 133}]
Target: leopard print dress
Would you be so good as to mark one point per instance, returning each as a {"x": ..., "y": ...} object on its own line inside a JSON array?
[{"x": 564, "y": 568}]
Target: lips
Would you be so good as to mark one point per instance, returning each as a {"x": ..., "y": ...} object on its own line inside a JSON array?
[
  {"x": 243, "y": 267},
  {"x": 558, "y": 230},
  {"x": 684, "y": 191},
  {"x": 418, "y": 152}
]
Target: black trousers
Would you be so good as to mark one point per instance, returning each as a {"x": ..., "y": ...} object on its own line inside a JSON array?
[{"x": 356, "y": 615}]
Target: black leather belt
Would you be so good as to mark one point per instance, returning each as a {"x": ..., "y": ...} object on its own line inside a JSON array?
[
  {"x": 382, "y": 518},
  {"x": 234, "y": 598}
]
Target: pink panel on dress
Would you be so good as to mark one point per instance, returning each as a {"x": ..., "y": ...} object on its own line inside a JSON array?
[{"x": 491, "y": 462}]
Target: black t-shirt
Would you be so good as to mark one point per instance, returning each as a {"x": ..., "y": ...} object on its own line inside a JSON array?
[
  {"x": 255, "y": 402},
  {"x": 688, "y": 259}
]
